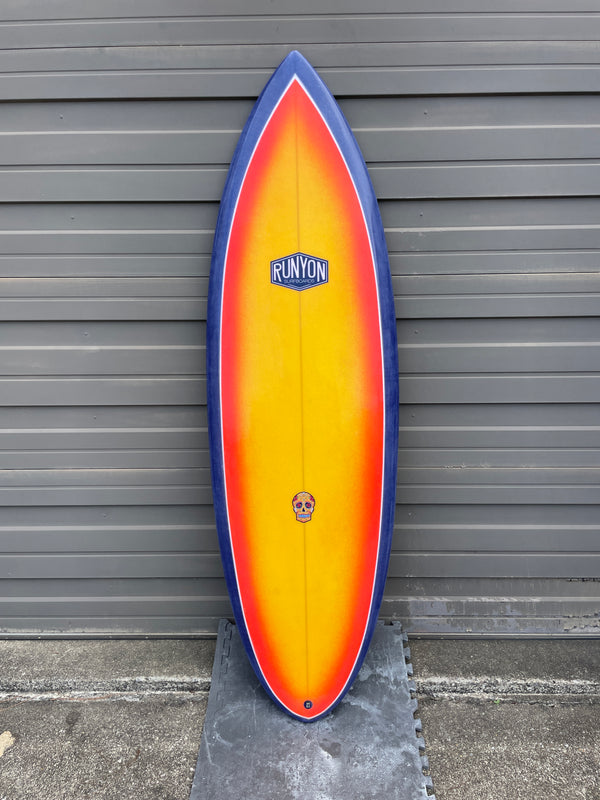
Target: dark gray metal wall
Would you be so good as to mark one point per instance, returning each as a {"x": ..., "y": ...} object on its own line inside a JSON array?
[{"x": 480, "y": 121}]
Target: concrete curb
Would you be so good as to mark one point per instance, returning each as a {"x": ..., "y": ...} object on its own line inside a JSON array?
[
  {"x": 47, "y": 689},
  {"x": 488, "y": 687}
]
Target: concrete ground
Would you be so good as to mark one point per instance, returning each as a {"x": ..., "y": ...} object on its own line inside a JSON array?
[
  {"x": 502, "y": 720},
  {"x": 105, "y": 720},
  {"x": 505, "y": 720}
]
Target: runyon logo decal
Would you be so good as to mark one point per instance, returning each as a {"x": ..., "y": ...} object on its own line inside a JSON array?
[{"x": 299, "y": 271}]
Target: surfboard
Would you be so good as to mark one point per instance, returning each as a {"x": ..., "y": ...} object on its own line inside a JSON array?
[{"x": 302, "y": 381}]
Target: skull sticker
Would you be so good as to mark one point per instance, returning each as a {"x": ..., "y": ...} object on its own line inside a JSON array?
[{"x": 303, "y": 505}]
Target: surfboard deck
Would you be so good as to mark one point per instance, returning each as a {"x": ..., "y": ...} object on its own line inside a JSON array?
[{"x": 302, "y": 394}]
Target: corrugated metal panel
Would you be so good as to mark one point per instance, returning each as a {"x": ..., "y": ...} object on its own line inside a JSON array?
[{"x": 479, "y": 120}]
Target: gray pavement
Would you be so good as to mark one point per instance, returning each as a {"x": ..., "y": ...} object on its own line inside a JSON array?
[
  {"x": 123, "y": 719},
  {"x": 104, "y": 720},
  {"x": 509, "y": 719}
]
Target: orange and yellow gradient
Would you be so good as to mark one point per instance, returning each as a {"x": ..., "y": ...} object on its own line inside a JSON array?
[{"x": 302, "y": 410}]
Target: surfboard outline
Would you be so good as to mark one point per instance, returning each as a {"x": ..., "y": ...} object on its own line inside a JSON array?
[{"x": 296, "y": 68}]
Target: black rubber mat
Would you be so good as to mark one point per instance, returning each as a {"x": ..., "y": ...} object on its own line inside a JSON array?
[{"x": 366, "y": 749}]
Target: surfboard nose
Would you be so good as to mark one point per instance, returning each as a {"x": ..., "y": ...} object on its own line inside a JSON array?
[{"x": 295, "y": 57}]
